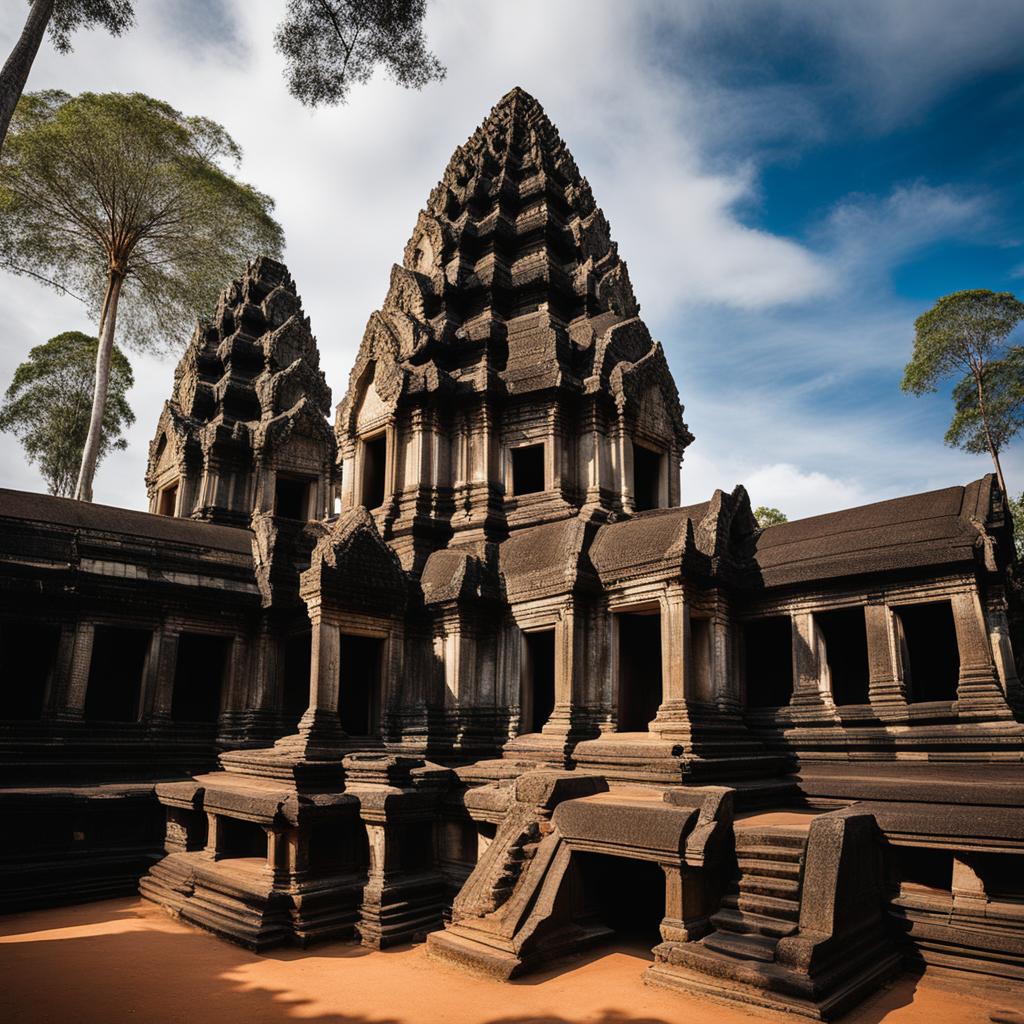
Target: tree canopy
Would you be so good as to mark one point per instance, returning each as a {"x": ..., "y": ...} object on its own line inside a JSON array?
[
  {"x": 48, "y": 402},
  {"x": 62, "y": 18},
  {"x": 329, "y": 44},
  {"x": 966, "y": 333},
  {"x": 1003, "y": 387},
  {"x": 120, "y": 198},
  {"x": 766, "y": 516}
]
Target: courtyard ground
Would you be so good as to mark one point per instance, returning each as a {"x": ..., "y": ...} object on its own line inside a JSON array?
[{"x": 125, "y": 960}]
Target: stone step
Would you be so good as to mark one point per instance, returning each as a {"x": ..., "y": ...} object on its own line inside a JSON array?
[
  {"x": 769, "y": 885},
  {"x": 756, "y": 840},
  {"x": 742, "y": 947},
  {"x": 766, "y": 906},
  {"x": 764, "y": 868},
  {"x": 746, "y": 923}
]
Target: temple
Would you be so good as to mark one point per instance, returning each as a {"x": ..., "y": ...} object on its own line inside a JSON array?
[{"x": 465, "y": 669}]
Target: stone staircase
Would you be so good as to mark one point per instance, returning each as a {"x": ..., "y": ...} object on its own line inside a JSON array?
[
  {"x": 758, "y": 953},
  {"x": 762, "y": 905}
]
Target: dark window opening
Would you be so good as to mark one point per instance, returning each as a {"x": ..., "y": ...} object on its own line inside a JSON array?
[
  {"x": 115, "y": 673},
  {"x": 359, "y": 690},
  {"x": 199, "y": 677},
  {"x": 168, "y": 499},
  {"x": 923, "y": 868},
  {"x": 700, "y": 650},
  {"x": 291, "y": 498},
  {"x": 538, "y": 699},
  {"x": 646, "y": 478},
  {"x": 236, "y": 838},
  {"x": 639, "y": 670},
  {"x": 768, "y": 656},
  {"x": 375, "y": 459},
  {"x": 416, "y": 850},
  {"x": 625, "y": 895},
  {"x": 528, "y": 469},
  {"x": 335, "y": 846},
  {"x": 931, "y": 656},
  {"x": 846, "y": 647},
  {"x": 28, "y": 651},
  {"x": 1001, "y": 875},
  {"x": 298, "y": 654}
]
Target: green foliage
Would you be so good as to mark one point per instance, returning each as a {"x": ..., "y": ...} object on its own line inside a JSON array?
[
  {"x": 1002, "y": 382},
  {"x": 114, "y": 15},
  {"x": 766, "y": 516},
  {"x": 47, "y": 406},
  {"x": 1016, "y": 506},
  {"x": 959, "y": 335},
  {"x": 329, "y": 44},
  {"x": 102, "y": 183}
]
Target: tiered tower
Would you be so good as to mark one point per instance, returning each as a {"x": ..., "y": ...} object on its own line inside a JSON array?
[
  {"x": 245, "y": 431},
  {"x": 508, "y": 379}
]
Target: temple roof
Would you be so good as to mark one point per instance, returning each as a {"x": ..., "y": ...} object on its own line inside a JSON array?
[{"x": 944, "y": 527}]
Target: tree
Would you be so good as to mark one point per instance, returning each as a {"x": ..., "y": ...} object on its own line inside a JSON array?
[
  {"x": 766, "y": 516},
  {"x": 62, "y": 17},
  {"x": 1003, "y": 388},
  {"x": 47, "y": 406},
  {"x": 329, "y": 44},
  {"x": 965, "y": 333},
  {"x": 124, "y": 199},
  {"x": 1017, "y": 515}
]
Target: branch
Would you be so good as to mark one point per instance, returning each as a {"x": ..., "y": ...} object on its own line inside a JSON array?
[{"x": 25, "y": 272}]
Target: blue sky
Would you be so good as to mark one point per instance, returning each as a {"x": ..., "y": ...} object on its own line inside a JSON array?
[{"x": 791, "y": 184}]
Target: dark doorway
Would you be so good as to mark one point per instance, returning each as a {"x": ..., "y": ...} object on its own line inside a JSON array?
[
  {"x": 375, "y": 460},
  {"x": 639, "y": 670},
  {"x": 28, "y": 651},
  {"x": 168, "y": 499},
  {"x": 237, "y": 838},
  {"x": 646, "y": 478},
  {"x": 199, "y": 677},
  {"x": 291, "y": 498},
  {"x": 846, "y": 647},
  {"x": 768, "y": 657},
  {"x": 528, "y": 469},
  {"x": 298, "y": 653},
  {"x": 538, "y": 698},
  {"x": 359, "y": 695},
  {"x": 625, "y": 895},
  {"x": 931, "y": 656},
  {"x": 115, "y": 673}
]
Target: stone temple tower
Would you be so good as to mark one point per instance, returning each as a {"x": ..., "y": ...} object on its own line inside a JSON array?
[
  {"x": 508, "y": 380},
  {"x": 245, "y": 431}
]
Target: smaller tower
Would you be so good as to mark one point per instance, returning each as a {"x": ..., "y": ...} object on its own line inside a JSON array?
[{"x": 246, "y": 430}]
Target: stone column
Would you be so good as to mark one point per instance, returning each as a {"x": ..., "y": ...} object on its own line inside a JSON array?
[
  {"x": 158, "y": 696},
  {"x": 886, "y": 690},
  {"x": 320, "y": 736},
  {"x": 1002, "y": 649},
  {"x": 724, "y": 677},
  {"x": 978, "y": 691},
  {"x": 808, "y": 700},
  {"x": 676, "y": 666},
  {"x": 77, "y": 679},
  {"x": 687, "y": 905}
]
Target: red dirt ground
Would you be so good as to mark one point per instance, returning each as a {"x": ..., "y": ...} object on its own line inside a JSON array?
[{"x": 125, "y": 960}]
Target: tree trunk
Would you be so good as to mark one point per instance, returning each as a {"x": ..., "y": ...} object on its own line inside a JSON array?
[
  {"x": 19, "y": 63},
  {"x": 988, "y": 433},
  {"x": 91, "y": 451}
]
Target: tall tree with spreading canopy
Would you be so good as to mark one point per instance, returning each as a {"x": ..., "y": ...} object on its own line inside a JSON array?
[
  {"x": 966, "y": 333},
  {"x": 62, "y": 18},
  {"x": 329, "y": 44},
  {"x": 125, "y": 200},
  {"x": 47, "y": 406}
]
